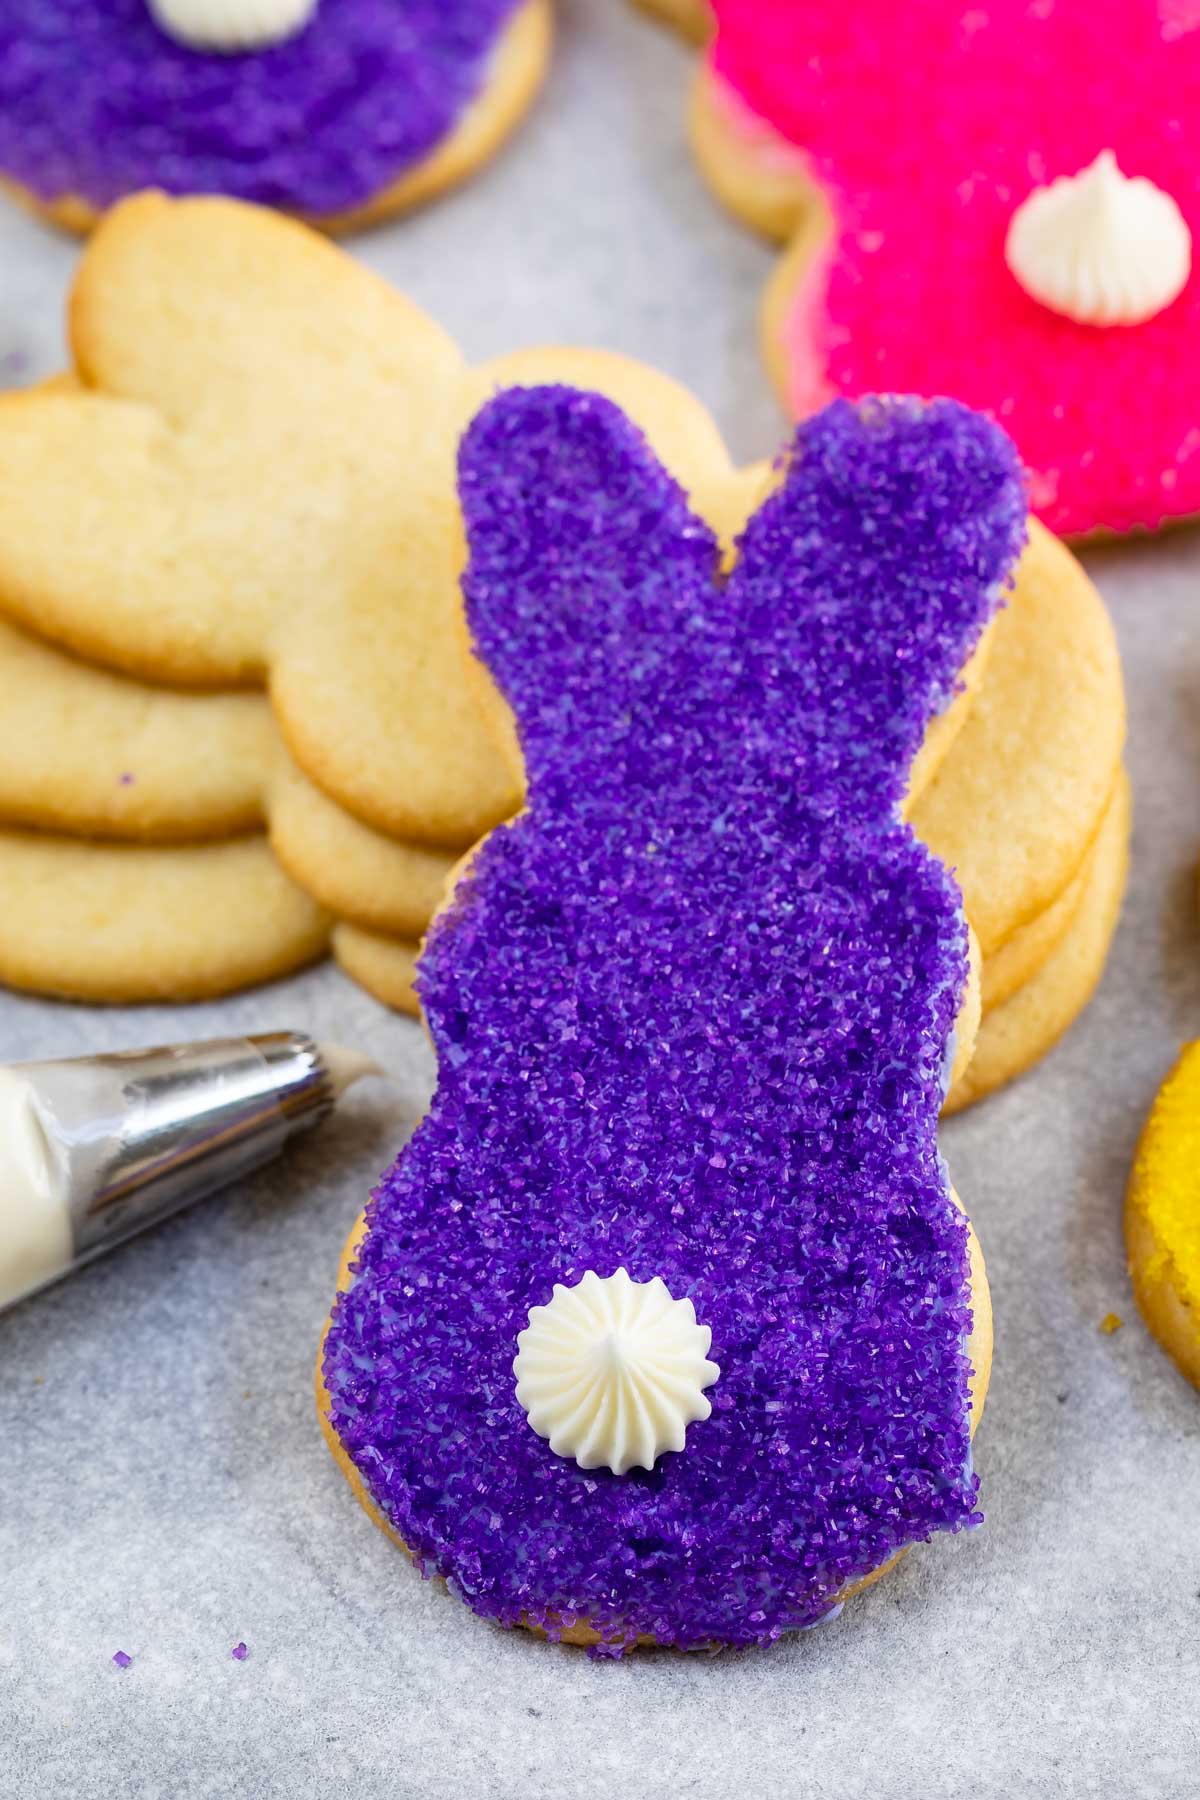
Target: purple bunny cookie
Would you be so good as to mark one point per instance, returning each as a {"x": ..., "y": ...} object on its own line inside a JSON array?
[
  {"x": 693, "y": 1013},
  {"x": 342, "y": 111}
]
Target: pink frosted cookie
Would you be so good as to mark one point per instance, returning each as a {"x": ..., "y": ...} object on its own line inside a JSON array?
[{"x": 994, "y": 202}]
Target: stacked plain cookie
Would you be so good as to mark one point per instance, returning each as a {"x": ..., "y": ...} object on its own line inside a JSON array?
[
  {"x": 1032, "y": 810},
  {"x": 247, "y": 483},
  {"x": 241, "y": 720},
  {"x": 170, "y": 847}
]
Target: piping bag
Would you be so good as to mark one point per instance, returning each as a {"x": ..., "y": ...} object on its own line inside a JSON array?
[{"x": 97, "y": 1148}]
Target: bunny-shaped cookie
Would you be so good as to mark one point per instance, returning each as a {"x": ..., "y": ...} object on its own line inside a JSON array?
[
  {"x": 693, "y": 1012},
  {"x": 899, "y": 149},
  {"x": 251, "y": 479},
  {"x": 344, "y": 112}
]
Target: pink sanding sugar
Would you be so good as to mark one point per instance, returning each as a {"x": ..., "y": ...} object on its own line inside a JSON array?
[{"x": 926, "y": 125}]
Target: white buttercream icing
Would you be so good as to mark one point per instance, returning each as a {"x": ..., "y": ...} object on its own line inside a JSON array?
[
  {"x": 1100, "y": 248},
  {"x": 346, "y": 1066},
  {"x": 232, "y": 25},
  {"x": 35, "y": 1221},
  {"x": 613, "y": 1371}
]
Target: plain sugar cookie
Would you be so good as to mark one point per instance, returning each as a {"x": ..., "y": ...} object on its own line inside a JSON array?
[
  {"x": 1021, "y": 956},
  {"x": 90, "y": 754},
  {"x": 180, "y": 473},
  {"x": 370, "y": 880},
  {"x": 124, "y": 923},
  {"x": 1018, "y": 1033},
  {"x": 691, "y": 17},
  {"x": 87, "y": 752},
  {"x": 385, "y": 966},
  {"x": 1018, "y": 804},
  {"x": 184, "y": 474}
]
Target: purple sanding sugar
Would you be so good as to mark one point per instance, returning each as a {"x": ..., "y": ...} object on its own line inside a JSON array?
[
  {"x": 239, "y": 1653},
  {"x": 121, "y": 1659},
  {"x": 96, "y": 100},
  {"x": 14, "y": 366},
  {"x": 692, "y": 1014}
]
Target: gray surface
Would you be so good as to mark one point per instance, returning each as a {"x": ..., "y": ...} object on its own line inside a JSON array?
[{"x": 163, "y": 1486}]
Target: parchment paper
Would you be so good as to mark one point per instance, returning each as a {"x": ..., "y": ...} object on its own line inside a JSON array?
[{"x": 163, "y": 1486}]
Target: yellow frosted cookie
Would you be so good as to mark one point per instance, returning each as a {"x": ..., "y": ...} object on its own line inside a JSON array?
[
  {"x": 1162, "y": 1215},
  {"x": 436, "y": 90},
  {"x": 125, "y": 922}
]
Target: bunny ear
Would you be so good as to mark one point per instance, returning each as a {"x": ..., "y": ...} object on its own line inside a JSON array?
[
  {"x": 202, "y": 304},
  {"x": 585, "y": 566},
  {"x": 864, "y": 582}
]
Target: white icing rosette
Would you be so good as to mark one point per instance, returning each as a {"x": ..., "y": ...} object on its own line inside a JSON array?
[
  {"x": 1100, "y": 248},
  {"x": 232, "y": 25},
  {"x": 613, "y": 1371}
]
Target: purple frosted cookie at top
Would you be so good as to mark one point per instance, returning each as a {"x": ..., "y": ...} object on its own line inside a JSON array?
[
  {"x": 693, "y": 1013},
  {"x": 97, "y": 100}
]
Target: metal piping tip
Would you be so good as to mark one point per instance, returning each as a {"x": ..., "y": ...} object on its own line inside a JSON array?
[{"x": 126, "y": 1139}]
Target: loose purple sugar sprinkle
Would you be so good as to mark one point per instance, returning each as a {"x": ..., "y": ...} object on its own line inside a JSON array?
[
  {"x": 96, "y": 100},
  {"x": 14, "y": 365},
  {"x": 125, "y": 780},
  {"x": 692, "y": 1014},
  {"x": 239, "y": 1653},
  {"x": 122, "y": 1661}
]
